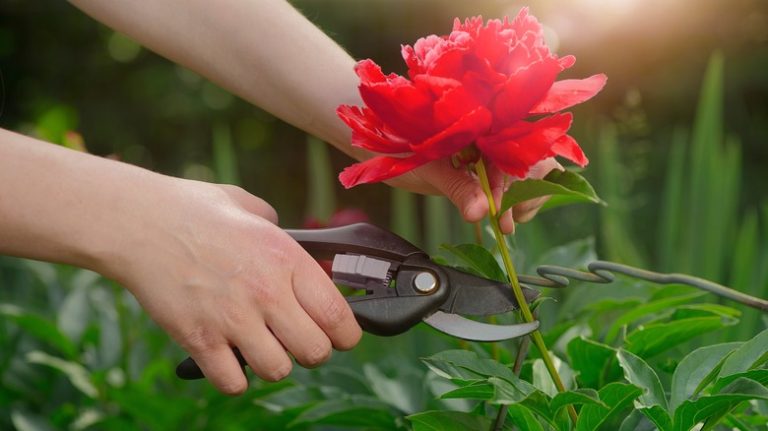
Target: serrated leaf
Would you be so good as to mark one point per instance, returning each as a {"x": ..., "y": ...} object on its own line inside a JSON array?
[
  {"x": 617, "y": 396},
  {"x": 750, "y": 354},
  {"x": 689, "y": 413},
  {"x": 567, "y": 184},
  {"x": 696, "y": 370},
  {"x": 590, "y": 359},
  {"x": 653, "y": 339},
  {"x": 478, "y": 259},
  {"x": 448, "y": 421}
]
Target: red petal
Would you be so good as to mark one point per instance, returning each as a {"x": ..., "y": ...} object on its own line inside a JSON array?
[
  {"x": 401, "y": 106},
  {"x": 567, "y": 147},
  {"x": 515, "y": 149},
  {"x": 379, "y": 169},
  {"x": 369, "y": 132},
  {"x": 455, "y": 137},
  {"x": 523, "y": 90},
  {"x": 569, "y": 92}
]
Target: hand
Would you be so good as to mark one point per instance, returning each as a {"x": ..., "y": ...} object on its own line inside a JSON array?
[
  {"x": 211, "y": 267},
  {"x": 464, "y": 190}
]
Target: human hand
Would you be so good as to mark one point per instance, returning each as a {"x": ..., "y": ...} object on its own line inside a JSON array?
[
  {"x": 211, "y": 267},
  {"x": 464, "y": 190}
]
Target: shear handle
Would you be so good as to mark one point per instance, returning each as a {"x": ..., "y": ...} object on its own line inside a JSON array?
[{"x": 358, "y": 238}]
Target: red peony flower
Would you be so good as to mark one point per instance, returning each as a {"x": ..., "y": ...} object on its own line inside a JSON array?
[{"x": 479, "y": 85}]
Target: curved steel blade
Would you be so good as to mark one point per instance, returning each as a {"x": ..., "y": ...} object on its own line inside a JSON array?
[
  {"x": 478, "y": 296},
  {"x": 466, "y": 329}
]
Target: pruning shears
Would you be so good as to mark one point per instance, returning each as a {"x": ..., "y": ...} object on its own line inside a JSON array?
[{"x": 402, "y": 286}]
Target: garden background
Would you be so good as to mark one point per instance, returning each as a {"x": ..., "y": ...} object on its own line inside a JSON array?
[{"x": 677, "y": 143}]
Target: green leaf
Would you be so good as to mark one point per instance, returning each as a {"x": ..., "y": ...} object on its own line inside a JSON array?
[
  {"x": 76, "y": 373},
  {"x": 24, "y": 420},
  {"x": 523, "y": 418},
  {"x": 652, "y": 402},
  {"x": 751, "y": 354},
  {"x": 41, "y": 328},
  {"x": 591, "y": 360},
  {"x": 493, "y": 390},
  {"x": 466, "y": 365},
  {"x": 617, "y": 396},
  {"x": 640, "y": 374},
  {"x": 578, "y": 396},
  {"x": 696, "y": 370},
  {"x": 689, "y": 413},
  {"x": 565, "y": 183},
  {"x": 759, "y": 376},
  {"x": 478, "y": 259},
  {"x": 479, "y": 390},
  {"x": 637, "y": 421},
  {"x": 645, "y": 310},
  {"x": 355, "y": 411},
  {"x": 653, "y": 339},
  {"x": 448, "y": 421}
]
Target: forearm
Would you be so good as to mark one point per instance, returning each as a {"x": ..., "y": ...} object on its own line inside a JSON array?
[
  {"x": 264, "y": 51},
  {"x": 63, "y": 206}
]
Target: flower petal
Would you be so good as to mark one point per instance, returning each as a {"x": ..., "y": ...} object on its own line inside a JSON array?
[
  {"x": 379, "y": 169},
  {"x": 399, "y": 104},
  {"x": 369, "y": 132},
  {"x": 567, "y": 147},
  {"x": 520, "y": 146},
  {"x": 455, "y": 137},
  {"x": 523, "y": 90},
  {"x": 566, "y": 93}
]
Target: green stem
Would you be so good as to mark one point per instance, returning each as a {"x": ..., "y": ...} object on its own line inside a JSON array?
[{"x": 538, "y": 340}]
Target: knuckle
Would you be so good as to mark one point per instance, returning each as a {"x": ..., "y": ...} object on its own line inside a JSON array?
[
  {"x": 335, "y": 313},
  {"x": 316, "y": 355},
  {"x": 277, "y": 373},
  {"x": 198, "y": 340},
  {"x": 233, "y": 387}
]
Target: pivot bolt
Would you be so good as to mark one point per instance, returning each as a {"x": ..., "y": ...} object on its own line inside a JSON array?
[{"x": 425, "y": 282}]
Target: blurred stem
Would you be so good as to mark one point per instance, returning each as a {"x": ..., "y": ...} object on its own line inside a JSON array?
[
  {"x": 478, "y": 233},
  {"x": 522, "y": 352},
  {"x": 538, "y": 340}
]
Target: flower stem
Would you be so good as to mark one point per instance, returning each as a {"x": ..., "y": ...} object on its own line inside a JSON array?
[{"x": 538, "y": 340}]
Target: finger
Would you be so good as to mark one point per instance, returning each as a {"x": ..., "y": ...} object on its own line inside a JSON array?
[
  {"x": 525, "y": 211},
  {"x": 459, "y": 186},
  {"x": 324, "y": 304},
  {"x": 263, "y": 352},
  {"x": 299, "y": 334},
  {"x": 221, "y": 368},
  {"x": 507, "y": 222},
  {"x": 543, "y": 167}
]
